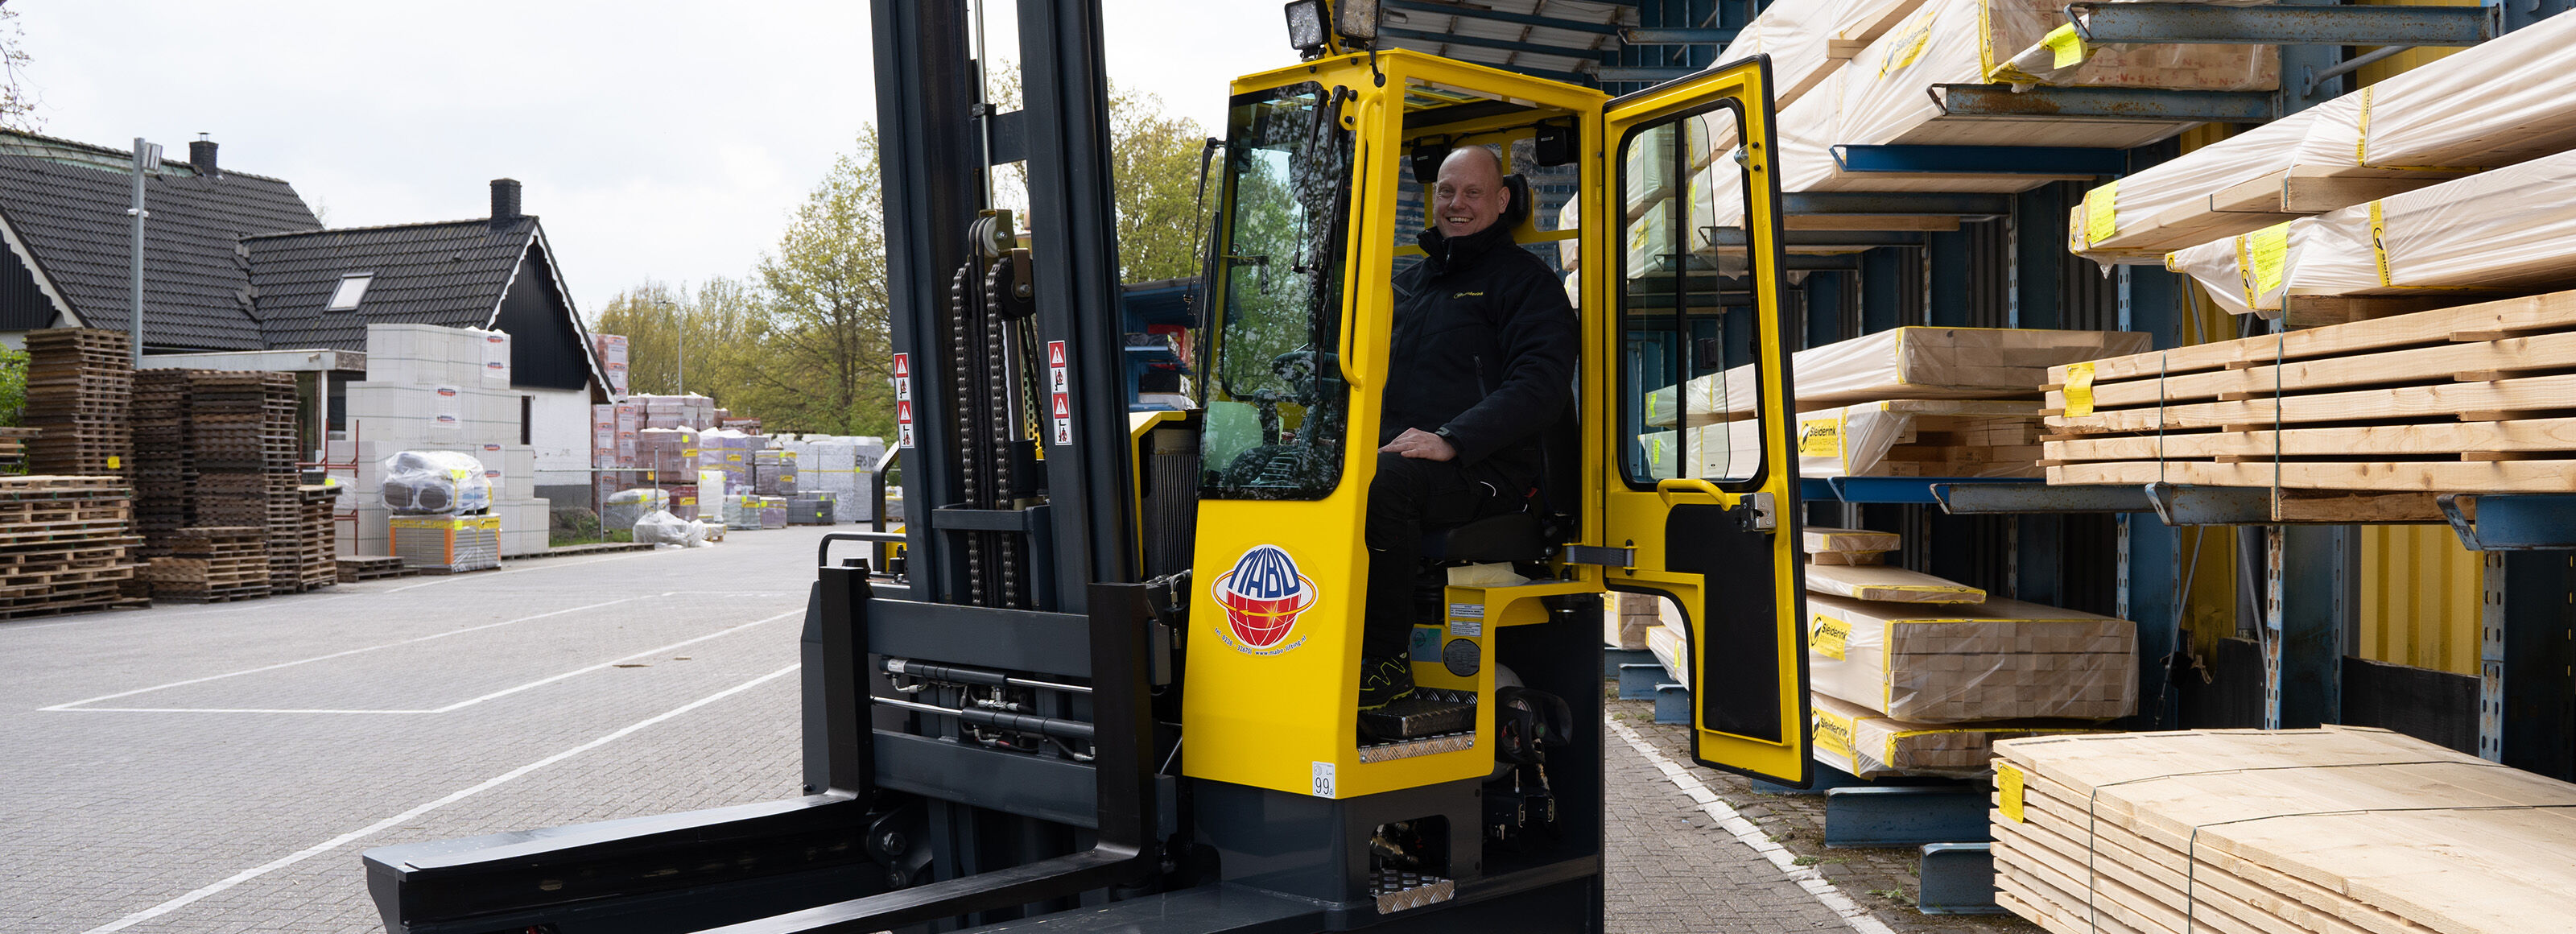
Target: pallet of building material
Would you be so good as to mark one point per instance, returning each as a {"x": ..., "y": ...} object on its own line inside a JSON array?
[
  {"x": 1848, "y": 546},
  {"x": 2505, "y": 102},
  {"x": 1887, "y": 584},
  {"x": 2340, "y": 829},
  {"x": 1869, "y": 744},
  {"x": 353, "y": 568},
  {"x": 1899, "y": 363},
  {"x": 2000, "y": 660},
  {"x": 447, "y": 544},
  {"x": 2462, "y": 399},
  {"x": 2480, "y": 235}
]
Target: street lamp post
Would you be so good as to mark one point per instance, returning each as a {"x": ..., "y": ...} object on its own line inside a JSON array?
[{"x": 147, "y": 157}]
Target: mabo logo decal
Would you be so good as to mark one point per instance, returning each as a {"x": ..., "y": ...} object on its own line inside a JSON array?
[{"x": 1262, "y": 596}]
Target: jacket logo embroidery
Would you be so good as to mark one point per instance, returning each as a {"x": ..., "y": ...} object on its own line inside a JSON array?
[{"x": 1467, "y": 294}]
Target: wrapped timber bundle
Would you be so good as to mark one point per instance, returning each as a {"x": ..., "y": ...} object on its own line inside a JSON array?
[
  {"x": 80, "y": 390},
  {"x": 1625, "y": 618},
  {"x": 2484, "y": 234},
  {"x": 1955, "y": 663},
  {"x": 2465, "y": 399},
  {"x": 1896, "y": 438},
  {"x": 2504, "y": 102},
  {"x": 445, "y": 544},
  {"x": 65, "y": 544},
  {"x": 1868, "y": 744},
  {"x": 1848, "y": 546},
  {"x": 212, "y": 564},
  {"x": 2339, "y": 829},
  {"x": 1899, "y": 363}
]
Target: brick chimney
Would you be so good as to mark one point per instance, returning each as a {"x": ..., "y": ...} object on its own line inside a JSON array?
[
  {"x": 201, "y": 156},
  {"x": 505, "y": 201}
]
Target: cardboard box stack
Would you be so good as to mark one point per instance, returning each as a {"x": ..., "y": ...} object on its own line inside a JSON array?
[
  {"x": 430, "y": 388},
  {"x": 1915, "y": 675}
]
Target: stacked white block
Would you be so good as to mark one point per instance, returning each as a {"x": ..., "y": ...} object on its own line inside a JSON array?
[{"x": 430, "y": 388}]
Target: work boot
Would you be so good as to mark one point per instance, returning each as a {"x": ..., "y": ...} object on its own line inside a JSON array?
[{"x": 1385, "y": 681}]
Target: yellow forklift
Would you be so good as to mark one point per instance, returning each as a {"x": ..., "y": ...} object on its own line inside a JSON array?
[{"x": 1109, "y": 683}]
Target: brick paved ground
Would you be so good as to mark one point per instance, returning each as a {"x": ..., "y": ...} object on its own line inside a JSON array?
[{"x": 256, "y": 748}]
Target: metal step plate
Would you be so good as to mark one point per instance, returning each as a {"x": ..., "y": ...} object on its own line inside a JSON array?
[
  {"x": 1427, "y": 713},
  {"x": 1397, "y": 891}
]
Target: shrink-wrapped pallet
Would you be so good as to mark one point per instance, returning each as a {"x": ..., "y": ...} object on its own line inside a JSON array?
[
  {"x": 1902, "y": 363},
  {"x": 1999, "y": 660},
  {"x": 1864, "y": 743},
  {"x": 2495, "y": 231}
]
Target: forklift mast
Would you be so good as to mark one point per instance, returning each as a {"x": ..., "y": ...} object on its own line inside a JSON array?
[{"x": 1020, "y": 721}]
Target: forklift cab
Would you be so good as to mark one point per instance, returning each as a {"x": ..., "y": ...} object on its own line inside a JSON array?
[{"x": 1662, "y": 210}]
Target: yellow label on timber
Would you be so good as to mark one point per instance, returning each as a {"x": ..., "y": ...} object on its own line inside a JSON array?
[
  {"x": 2269, "y": 248},
  {"x": 115, "y": 463},
  {"x": 1834, "y": 734},
  {"x": 2069, "y": 46},
  {"x": 1829, "y": 637},
  {"x": 2378, "y": 251},
  {"x": 2101, "y": 213},
  {"x": 2008, "y": 791},
  {"x": 1820, "y": 437},
  {"x": 2079, "y": 389},
  {"x": 1909, "y": 47}
]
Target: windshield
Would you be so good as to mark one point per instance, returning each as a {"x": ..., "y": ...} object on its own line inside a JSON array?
[{"x": 1275, "y": 409}]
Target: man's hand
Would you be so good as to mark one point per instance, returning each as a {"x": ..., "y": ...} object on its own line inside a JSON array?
[{"x": 1420, "y": 445}]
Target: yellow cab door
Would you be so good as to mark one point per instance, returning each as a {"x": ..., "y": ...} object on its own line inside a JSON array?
[{"x": 1699, "y": 480}]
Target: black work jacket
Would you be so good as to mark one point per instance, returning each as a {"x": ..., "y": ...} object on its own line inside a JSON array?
[{"x": 1484, "y": 346}]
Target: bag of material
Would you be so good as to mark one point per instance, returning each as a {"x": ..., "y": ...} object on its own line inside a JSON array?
[
  {"x": 660, "y": 528},
  {"x": 625, "y": 507},
  {"x": 434, "y": 483}
]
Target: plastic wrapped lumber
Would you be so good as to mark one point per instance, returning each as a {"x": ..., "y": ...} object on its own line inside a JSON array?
[
  {"x": 1903, "y": 363},
  {"x": 2483, "y": 234},
  {"x": 1848, "y": 546},
  {"x": 2000, "y": 660},
  {"x": 1882, "y": 583},
  {"x": 1867, "y": 744},
  {"x": 1895, "y": 438},
  {"x": 2339, "y": 829}
]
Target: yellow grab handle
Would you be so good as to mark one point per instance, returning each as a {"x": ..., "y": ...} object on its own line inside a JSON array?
[{"x": 1672, "y": 487}]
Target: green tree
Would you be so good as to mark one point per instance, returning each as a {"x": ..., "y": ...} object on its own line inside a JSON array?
[
  {"x": 17, "y": 105},
  {"x": 1154, "y": 171},
  {"x": 13, "y": 387}
]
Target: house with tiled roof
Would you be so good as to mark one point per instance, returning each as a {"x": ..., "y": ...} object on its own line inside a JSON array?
[{"x": 236, "y": 264}]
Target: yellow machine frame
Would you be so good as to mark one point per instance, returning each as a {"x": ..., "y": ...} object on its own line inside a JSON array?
[{"x": 1284, "y": 718}]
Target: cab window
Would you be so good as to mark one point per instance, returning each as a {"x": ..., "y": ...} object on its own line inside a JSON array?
[{"x": 1689, "y": 370}]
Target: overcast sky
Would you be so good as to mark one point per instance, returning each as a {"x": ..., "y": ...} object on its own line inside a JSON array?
[{"x": 657, "y": 140}]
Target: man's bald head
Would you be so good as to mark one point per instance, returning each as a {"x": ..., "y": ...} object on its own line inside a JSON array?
[{"x": 1469, "y": 195}]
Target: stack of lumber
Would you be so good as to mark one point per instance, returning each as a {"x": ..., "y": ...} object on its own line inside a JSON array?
[
  {"x": 212, "y": 564},
  {"x": 2481, "y": 235},
  {"x": 353, "y": 568},
  {"x": 2463, "y": 399},
  {"x": 2338, "y": 830},
  {"x": 164, "y": 471},
  {"x": 1626, "y": 617},
  {"x": 13, "y": 446},
  {"x": 79, "y": 385},
  {"x": 1915, "y": 675},
  {"x": 316, "y": 537},
  {"x": 2505, "y": 102},
  {"x": 65, "y": 543}
]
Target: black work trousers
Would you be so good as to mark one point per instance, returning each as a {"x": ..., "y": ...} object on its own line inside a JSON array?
[{"x": 1409, "y": 496}]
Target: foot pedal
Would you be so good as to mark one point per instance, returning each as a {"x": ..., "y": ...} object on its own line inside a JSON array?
[
  {"x": 1397, "y": 891},
  {"x": 1428, "y": 722}
]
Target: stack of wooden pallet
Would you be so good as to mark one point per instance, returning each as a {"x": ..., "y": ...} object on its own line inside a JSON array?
[
  {"x": 243, "y": 444},
  {"x": 79, "y": 386},
  {"x": 1916, "y": 675},
  {"x": 13, "y": 446},
  {"x": 65, "y": 543},
  {"x": 2460, "y": 399},
  {"x": 353, "y": 568},
  {"x": 2341, "y": 830},
  {"x": 316, "y": 538},
  {"x": 164, "y": 472},
  {"x": 213, "y": 564}
]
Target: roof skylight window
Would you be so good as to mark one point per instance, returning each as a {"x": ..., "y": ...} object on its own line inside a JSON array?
[{"x": 352, "y": 290}]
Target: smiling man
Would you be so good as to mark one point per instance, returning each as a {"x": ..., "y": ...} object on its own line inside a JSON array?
[{"x": 1483, "y": 362}]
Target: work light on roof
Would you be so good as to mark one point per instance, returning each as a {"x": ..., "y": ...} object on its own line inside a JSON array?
[{"x": 1306, "y": 27}]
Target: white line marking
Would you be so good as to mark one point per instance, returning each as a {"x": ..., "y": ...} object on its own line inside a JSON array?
[
  {"x": 451, "y": 708},
  {"x": 1755, "y": 837},
  {"x": 333, "y": 655},
  {"x": 398, "y": 819}
]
